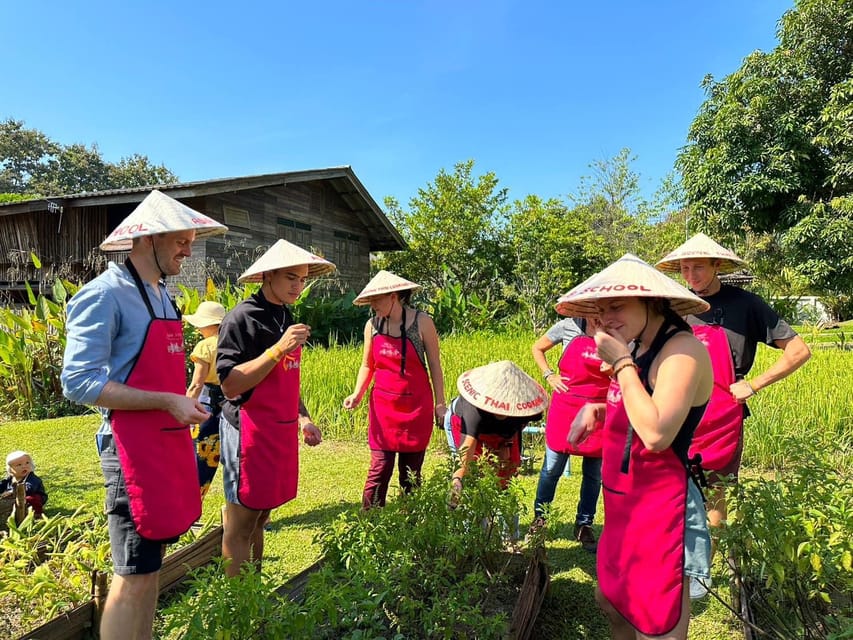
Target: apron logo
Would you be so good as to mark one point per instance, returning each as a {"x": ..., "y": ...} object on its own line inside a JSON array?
[
  {"x": 389, "y": 351},
  {"x": 289, "y": 362},
  {"x": 590, "y": 354},
  {"x": 614, "y": 396},
  {"x": 174, "y": 348}
]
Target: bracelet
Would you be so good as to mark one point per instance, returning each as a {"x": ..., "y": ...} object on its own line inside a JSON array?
[
  {"x": 275, "y": 356},
  {"x": 751, "y": 388},
  {"x": 547, "y": 374},
  {"x": 625, "y": 366},
  {"x": 627, "y": 356}
]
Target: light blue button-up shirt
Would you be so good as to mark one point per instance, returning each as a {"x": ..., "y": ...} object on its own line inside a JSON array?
[{"x": 107, "y": 322}]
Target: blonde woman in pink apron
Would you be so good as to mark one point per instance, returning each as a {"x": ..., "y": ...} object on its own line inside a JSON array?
[
  {"x": 125, "y": 354},
  {"x": 263, "y": 417},
  {"x": 655, "y": 533},
  {"x": 400, "y": 346}
]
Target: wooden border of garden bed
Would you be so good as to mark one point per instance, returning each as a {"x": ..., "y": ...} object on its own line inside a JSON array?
[
  {"x": 524, "y": 613},
  {"x": 80, "y": 622}
]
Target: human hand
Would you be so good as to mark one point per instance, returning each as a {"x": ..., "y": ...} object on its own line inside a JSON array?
[
  {"x": 455, "y": 495},
  {"x": 741, "y": 391},
  {"x": 611, "y": 347},
  {"x": 294, "y": 337},
  {"x": 586, "y": 421},
  {"x": 440, "y": 413},
  {"x": 311, "y": 434},
  {"x": 351, "y": 401},
  {"x": 186, "y": 410},
  {"x": 557, "y": 382}
]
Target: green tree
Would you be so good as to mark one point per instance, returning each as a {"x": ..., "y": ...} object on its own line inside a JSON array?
[
  {"x": 32, "y": 164},
  {"x": 75, "y": 168},
  {"x": 138, "y": 171},
  {"x": 554, "y": 248},
  {"x": 23, "y": 155},
  {"x": 454, "y": 227},
  {"x": 771, "y": 151},
  {"x": 610, "y": 200}
]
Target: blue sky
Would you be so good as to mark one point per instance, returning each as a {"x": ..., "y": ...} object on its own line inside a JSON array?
[{"x": 532, "y": 90}]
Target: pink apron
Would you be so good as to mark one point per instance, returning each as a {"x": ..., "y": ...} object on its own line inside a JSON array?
[
  {"x": 719, "y": 433},
  {"x": 582, "y": 366},
  {"x": 269, "y": 438},
  {"x": 640, "y": 562},
  {"x": 401, "y": 407},
  {"x": 156, "y": 452},
  {"x": 507, "y": 450}
]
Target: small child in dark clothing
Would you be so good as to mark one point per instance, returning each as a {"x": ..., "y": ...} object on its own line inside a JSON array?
[{"x": 20, "y": 468}]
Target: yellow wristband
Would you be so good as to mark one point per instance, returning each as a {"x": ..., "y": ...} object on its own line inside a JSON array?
[{"x": 275, "y": 356}]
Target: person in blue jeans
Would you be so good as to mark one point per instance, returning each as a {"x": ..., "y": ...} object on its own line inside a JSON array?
[{"x": 579, "y": 380}]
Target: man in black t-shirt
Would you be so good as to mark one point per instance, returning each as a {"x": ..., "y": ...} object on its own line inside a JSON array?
[{"x": 747, "y": 320}]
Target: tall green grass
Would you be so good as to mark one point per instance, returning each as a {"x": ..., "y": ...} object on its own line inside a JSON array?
[
  {"x": 328, "y": 375},
  {"x": 815, "y": 403}
]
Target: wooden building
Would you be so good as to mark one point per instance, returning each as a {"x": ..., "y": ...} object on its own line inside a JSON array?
[{"x": 327, "y": 211}]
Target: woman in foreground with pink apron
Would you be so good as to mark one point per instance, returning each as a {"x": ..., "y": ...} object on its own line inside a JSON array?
[
  {"x": 655, "y": 534},
  {"x": 400, "y": 345},
  {"x": 258, "y": 362}
]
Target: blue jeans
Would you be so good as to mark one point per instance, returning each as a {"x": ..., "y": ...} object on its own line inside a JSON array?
[{"x": 552, "y": 469}]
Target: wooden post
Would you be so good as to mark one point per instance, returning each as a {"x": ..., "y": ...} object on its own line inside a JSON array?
[
  {"x": 20, "y": 503},
  {"x": 99, "y": 599}
]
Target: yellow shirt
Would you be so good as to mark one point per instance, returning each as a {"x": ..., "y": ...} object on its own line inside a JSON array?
[{"x": 205, "y": 351}]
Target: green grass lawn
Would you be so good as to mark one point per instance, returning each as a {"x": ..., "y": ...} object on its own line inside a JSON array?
[{"x": 331, "y": 480}]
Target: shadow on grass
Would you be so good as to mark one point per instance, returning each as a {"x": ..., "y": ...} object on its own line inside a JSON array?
[
  {"x": 570, "y": 611},
  {"x": 316, "y": 517}
]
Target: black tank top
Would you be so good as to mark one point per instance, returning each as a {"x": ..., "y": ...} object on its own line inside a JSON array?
[{"x": 671, "y": 326}]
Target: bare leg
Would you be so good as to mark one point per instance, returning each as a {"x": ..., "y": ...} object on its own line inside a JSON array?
[
  {"x": 621, "y": 629},
  {"x": 243, "y": 534},
  {"x": 717, "y": 512},
  {"x": 129, "y": 609}
]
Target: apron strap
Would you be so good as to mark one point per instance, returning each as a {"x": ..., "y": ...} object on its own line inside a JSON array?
[{"x": 141, "y": 288}]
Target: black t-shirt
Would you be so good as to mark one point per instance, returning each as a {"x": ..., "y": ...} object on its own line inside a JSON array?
[
  {"x": 747, "y": 320},
  {"x": 476, "y": 422},
  {"x": 252, "y": 327}
]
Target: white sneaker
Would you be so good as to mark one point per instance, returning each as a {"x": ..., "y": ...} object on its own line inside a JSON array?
[{"x": 698, "y": 588}]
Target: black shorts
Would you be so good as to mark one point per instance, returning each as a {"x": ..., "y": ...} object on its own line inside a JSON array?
[{"x": 132, "y": 554}]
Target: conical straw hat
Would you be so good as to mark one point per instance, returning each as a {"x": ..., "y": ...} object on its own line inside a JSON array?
[
  {"x": 207, "y": 314},
  {"x": 382, "y": 283},
  {"x": 504, "y": 389},
  {"x": 158, "y": 213},
  {"x": 286, "y": 254},
  {"x": 628, "y": 277},
  {"x": 700, "y": 246}
]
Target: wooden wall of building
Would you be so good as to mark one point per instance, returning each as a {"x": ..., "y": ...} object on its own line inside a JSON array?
[
  {"x": 66, "y": 244},
  {"x": 309, "y": 214}
]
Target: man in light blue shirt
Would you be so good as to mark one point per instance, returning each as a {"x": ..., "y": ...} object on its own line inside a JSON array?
[{"x": 122, "y": 326}]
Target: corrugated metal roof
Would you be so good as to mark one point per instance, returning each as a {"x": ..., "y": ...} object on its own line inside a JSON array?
[{"x": 355, "y": 194}]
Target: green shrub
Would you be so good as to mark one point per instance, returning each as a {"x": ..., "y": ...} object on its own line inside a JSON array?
[
  {"x": 413, "y": 569},
  {"x": 790, "y": 538},
  {"x": 46, "y": 566},
  {"x": 32, "y": 342}
]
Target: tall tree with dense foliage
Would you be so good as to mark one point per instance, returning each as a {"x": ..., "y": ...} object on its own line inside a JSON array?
[
  {"x": 454, "y": 229},
  {"x": 610, "y": 200},
  {"x": 554, "y": 248},
  {"x": 33, "y": 164},
  {"x": 770, "y": 154}
]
